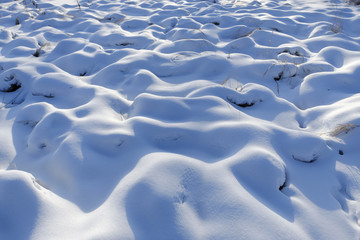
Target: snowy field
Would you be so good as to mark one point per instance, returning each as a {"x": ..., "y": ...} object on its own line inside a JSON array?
[{"x": 179, "y": 119}]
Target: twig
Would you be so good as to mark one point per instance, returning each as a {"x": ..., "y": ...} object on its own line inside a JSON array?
[{"x": 78, "y": 4}]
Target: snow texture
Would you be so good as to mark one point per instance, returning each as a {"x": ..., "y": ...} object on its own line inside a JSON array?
[{"x": 181, "y": 119}]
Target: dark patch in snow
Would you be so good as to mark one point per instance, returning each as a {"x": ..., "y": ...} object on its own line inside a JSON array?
[
  {"x": 29, "y": 123},
  {"x": 12, "y": 88},
  {"x": 37, "y": 53},
  {"x": 42, "y": 146},
  {"x": 120, "y": 143},
  {"x": 124, "y": 44},
  {"x": 296, "y": 53},
  {"x": 341, "y": 152},
  {"x": 279, "y": 76},
  {"x": 315, "y": 157},
  {"x": 49, "y": 95},
  {"x": 284, "y": 183},
  {"x": 282, "y": 186},
  {"x": 243, "y": 104},
  {"x": 354, "y": 2},
  {"x": 13, "y": 35}
]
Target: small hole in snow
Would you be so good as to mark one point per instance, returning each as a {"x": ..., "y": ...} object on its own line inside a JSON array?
[{"x": 42, "y": 146}]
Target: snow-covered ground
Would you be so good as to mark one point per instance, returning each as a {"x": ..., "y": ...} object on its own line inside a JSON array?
[{"x": 181, "y": 119}]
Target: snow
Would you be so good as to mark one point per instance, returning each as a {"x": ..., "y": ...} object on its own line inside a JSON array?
[{"x": 180, "y": 119}]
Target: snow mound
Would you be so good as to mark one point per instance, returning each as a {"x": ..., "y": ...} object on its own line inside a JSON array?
[{"x": 216, "y": 119}]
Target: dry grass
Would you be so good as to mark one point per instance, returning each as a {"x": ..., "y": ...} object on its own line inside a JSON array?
[
  {"x": 354, "y": 2},
  {"x": 343, "y": 128},
  {"x": 337, "y": 26}
]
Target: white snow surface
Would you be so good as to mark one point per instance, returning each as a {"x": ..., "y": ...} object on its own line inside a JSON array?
[{"x": 181, "y": 119}]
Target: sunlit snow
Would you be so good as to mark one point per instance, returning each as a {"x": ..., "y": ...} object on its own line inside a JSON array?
[{"x": 179, "y": 119}]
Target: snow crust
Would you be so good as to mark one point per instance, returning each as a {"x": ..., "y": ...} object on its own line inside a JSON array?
[{"x": 180, "y": 119}]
